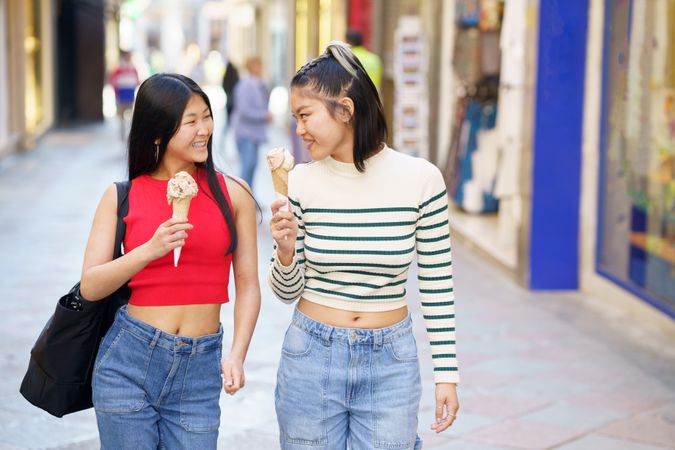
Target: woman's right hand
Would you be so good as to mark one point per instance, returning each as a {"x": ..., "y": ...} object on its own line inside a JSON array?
[
  {"x": 169, "y": 235},
  {"x": 284, "y": 229}
]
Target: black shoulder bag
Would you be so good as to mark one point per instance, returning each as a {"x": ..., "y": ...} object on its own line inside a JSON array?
[{"x": 61, "y": 365}]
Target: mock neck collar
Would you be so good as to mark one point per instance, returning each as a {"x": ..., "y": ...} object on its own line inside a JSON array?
[{"x": 349, "y": 169}]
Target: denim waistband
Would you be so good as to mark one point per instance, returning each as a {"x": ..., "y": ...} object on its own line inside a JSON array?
[
  {"x": 172, "y": 342},
  {"x": 367, "y": 336}
]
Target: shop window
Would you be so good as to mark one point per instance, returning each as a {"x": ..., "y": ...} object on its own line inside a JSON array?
[
  {"x": 483, "y": 168},
  {"x": 33, "y": 48},
  {"x": 473, "y": 156},
  {"x": 636, "y": 240},
  {"x": 4, "y": 80}
]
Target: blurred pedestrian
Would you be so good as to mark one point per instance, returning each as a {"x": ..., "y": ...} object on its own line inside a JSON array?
[
  {"x": 230, "y": 79},
  {"x": 299, "y": 148},
  {"x": 157, "y": 376},
  {"x": 124, "y": 80},
  {"x": 369, "y": 60},
  {"x": 349, "y": 372},
  {"x": 250, "y": 117}
]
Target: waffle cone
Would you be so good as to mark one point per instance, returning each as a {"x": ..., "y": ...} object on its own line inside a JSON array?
[
  {"x": 280, "y": 180},
  {"x": 181, "y": 207}
]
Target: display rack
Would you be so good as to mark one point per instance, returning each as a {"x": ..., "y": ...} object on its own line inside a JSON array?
[{"x": 411, "y": 110}]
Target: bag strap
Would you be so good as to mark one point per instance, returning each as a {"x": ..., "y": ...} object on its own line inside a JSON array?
[{"x": 123, "y": 188}]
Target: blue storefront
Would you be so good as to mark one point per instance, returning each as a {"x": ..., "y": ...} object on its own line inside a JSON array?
[
  {"x": 636, "y": 227},
  {"x": 590, "y": 118},
  {"x": 635, "y": 224}
]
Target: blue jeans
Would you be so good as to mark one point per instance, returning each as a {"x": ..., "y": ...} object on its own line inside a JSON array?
[
  {"x": 343, "y": 387},
  {"x": 248, "y": 156},
  {"x": 153, "y": 389}
]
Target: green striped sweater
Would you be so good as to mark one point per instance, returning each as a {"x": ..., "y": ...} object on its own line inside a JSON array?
[{"x": 358, "y": 235}]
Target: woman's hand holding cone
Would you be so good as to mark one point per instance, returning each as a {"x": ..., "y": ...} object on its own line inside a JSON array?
[
  {"x": 284, "y": 229},
  {"x": 168, "y": 236}
]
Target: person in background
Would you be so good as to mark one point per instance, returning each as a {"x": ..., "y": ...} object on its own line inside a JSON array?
[
  {"x": 250, "y": 117},
  {"x": 124, "y": 80},
  {"x": 159, "y": 372},
  {"x": 369, "y": 60},
  {"x": 349, "y": 373},
  {"x": 230, "y": 80},
  {"x": 300, "y": 153}
]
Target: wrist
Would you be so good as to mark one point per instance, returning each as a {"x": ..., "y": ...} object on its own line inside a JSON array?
[
  {"x": 285, "y": 258},
  {"x": 145, "y": 253},
  {"x": 236, "y": 355}
]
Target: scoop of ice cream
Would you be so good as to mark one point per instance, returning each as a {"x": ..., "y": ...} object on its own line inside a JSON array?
[
  {"x": 181, "y": 186},
  {"x": 280, "y": 157}
]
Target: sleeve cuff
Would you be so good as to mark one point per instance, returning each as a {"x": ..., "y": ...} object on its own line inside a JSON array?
[
  {"x": 446, "y": 377},
  {"x": 285, "y": 269}
]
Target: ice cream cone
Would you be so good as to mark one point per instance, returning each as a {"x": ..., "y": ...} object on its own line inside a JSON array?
[
  {"x": 280, "y": 162},
  {"x": 280, "y": 180},
  {"x": 179, "y": 192},
  {"x": 181, "y": 206}
]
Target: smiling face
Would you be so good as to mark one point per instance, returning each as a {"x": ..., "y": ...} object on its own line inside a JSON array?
[
  {"x": 324, "y": 133},
  {"x": 189, "y": 144}
]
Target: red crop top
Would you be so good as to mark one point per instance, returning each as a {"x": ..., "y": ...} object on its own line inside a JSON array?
[{"x": 203, "y": 272}]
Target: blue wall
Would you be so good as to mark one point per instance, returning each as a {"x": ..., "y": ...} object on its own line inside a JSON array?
[{"x": 554, "y": 240}]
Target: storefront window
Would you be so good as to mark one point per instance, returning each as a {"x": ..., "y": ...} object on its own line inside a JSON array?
[
  {"x": 636, "y": 245},
  {"x": 302, "y": 50},
  {"x": 4, "y": 79},
  {"x": 32, "y": 44}
]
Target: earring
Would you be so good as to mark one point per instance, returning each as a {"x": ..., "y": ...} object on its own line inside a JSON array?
[{"x": 156, "y": 152}]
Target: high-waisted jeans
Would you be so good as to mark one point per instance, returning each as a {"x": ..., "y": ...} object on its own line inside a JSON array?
[
  {"x": 344, "y": 387},
  {"x": 153, "y": 389}
]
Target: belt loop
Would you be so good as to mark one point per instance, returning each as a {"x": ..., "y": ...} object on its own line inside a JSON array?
[
  {"x": 155, "y": 338},
  {"x": 325, "y": 335},
  {"x": 377, "y": 338}
]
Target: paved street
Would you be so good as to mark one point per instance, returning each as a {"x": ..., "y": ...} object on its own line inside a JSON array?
[{"x": 539, "y": 370}]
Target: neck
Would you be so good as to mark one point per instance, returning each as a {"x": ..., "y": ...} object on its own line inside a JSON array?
[
  {"x": 345, "y": 150},
  {"x": 166, "y": 170}
]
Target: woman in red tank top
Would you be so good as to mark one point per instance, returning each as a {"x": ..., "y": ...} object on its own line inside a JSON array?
[{"x": 159, "y": 371}]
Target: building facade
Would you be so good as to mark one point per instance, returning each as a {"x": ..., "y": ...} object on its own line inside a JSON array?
[
  {"x": 51, "y": 67},
  {"x": 27, "y": 95},
  {"x": 553, "y": 123}
]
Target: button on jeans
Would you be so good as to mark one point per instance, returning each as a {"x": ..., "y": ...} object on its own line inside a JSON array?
[
  {"x": 153, "y": 389},
  {"x": 340, "y": 387}
]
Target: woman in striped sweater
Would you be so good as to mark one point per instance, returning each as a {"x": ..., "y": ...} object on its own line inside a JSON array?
[{"x": 349, "y": 373}]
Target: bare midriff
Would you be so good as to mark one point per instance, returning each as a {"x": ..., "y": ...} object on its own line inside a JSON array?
[
  {"x": 183, "y": 320},
  {"x": 351, "y": 319}
]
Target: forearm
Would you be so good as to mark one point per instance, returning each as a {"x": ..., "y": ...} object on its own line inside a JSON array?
[
  {"x": 102, "y": 280},
  {"x": 246, "y": 310},
  {"x": 286, "y": 278}
]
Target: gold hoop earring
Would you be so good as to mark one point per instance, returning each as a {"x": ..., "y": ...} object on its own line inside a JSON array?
[{"x": 156, "y": 152}]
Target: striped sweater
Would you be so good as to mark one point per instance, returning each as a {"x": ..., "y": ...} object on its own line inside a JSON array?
[{"x": 358, "y": 234}]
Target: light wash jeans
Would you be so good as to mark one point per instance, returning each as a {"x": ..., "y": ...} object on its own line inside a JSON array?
[
  {"x": 341, "y": 388},
  {"x": 248, "y": 157},
  {"x": 155, "y": 390}
]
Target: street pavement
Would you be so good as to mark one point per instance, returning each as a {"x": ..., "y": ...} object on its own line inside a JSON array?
[{"x": 539, "y": 370}]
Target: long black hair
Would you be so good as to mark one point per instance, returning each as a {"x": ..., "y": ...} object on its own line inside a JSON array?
[
  {"x": 158, "y": 112},
  {"x": 339, "y": 73}
]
